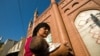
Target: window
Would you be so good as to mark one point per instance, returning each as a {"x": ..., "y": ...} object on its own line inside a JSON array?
[{"x": 88, "y": 26}]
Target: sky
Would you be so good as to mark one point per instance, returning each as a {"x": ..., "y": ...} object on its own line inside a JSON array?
[{"x": 15, "y": 16}]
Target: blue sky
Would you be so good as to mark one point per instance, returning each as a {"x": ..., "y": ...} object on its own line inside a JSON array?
[{"x": 15, "y": 16}]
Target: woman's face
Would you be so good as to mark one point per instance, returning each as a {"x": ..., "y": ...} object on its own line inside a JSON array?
[{"x": 43, "y": 32}]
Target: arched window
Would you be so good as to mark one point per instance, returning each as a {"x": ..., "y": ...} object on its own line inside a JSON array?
[{"x": 88, "y": 26}]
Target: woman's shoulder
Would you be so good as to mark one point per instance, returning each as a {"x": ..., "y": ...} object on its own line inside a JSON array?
[{"x": 30, "y": 37}]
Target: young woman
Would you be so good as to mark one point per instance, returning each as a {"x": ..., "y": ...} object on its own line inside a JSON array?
[{"x": 37, "y": 45}]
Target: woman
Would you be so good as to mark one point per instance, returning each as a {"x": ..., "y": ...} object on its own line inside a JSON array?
[{"x": 37, "y": 45}]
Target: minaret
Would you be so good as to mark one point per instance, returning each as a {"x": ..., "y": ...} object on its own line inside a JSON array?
[{"x": 59, "y": 21}]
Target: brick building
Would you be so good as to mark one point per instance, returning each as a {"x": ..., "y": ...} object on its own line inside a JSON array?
[{"x": 75, "y": 21}]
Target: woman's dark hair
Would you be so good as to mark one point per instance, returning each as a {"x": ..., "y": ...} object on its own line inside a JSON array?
[{"x": 40, "y": 25}]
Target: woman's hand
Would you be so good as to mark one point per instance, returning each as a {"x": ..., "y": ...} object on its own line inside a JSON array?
[{"x": 66, "y": 43}]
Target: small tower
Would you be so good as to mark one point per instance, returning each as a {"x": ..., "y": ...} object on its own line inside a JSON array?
[
  {"x": 35, "y": 15},
  {"x": 30, "y": 28},
  {"x": 0, "y": 38},
  {"x": 60, "y": 22},
  {"x": 32, "y": 23}
]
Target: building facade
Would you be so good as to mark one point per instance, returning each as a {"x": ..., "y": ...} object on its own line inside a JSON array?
[
  {"x": 15, "y": 50},
  {"x": 75, "y": 21},
  {"x": 6, "y": 46}
]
